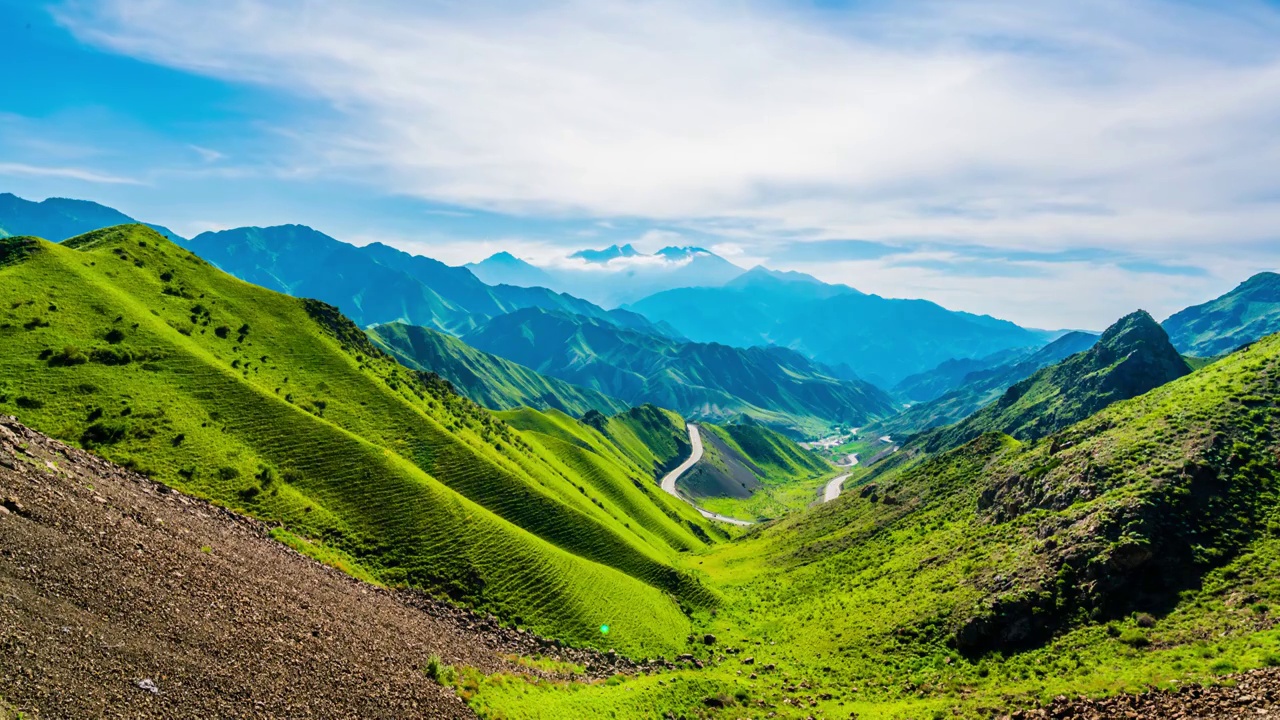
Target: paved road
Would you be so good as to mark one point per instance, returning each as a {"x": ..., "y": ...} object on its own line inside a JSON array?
[
  {"x": 669, "y": 481},
  {"x": 833, "y": 488}
]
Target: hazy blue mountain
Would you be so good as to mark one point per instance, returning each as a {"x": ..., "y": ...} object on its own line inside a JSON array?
[
  {"x": 699, "y": 380},
  {"x": 57, "y": 219},
  {"x": 615, "y": 275},
  {"x": 1247, "y": 313},
  {"x": 883, "y": 340},
  {"x": 380, "y": 284},
  {"x": 506, "y": 269}
]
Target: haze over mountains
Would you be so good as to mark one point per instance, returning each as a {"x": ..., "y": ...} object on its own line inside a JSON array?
[{"x": 615, "y": 275}]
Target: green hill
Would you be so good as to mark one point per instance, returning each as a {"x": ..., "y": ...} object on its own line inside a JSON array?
[
  {"x": 698, "y": 380},
  {"x": 1249, "y": 312},
  {"x": 1133, "y": 356},
  {"x": 380, "y": 284},
  {"x": 489, "y": 380},
  {"x": 282, "y": 408}
]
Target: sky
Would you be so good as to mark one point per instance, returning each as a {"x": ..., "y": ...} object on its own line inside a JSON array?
[{"x": 1057, "y": 163}]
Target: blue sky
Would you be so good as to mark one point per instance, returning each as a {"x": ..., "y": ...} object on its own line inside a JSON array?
[{"x": 1055, "y": 163}]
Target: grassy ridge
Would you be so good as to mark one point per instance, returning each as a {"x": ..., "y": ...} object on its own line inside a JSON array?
[
  {"x": 489, "y": 380},
  {"x": 750, "y": 471},
  {"x": 281, "y": 408}
]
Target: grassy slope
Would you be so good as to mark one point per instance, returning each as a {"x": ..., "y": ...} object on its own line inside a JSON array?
[
  {"x": 1250, "y": 311},
  {"x": 890, "y": 599},
  {"x": 629, "y": 485},
  {"x": 489, "y": 380},
  {"x": 280, "y": 408}
]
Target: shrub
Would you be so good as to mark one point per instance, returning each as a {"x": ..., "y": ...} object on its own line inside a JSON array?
[
  {"x": 1260, "y": 608},
  {"x": 67, "y": 356},
  {"x": 115, "y": 336},
  {"x": 1145, "y": 620},
  {"x": 28, "y": 403},
  {"x": 222, "y": 331},
  {"x": 104, "y": 433},
  {"x": 228, "y": 473},
  {"x": 1134, "y": 638}
]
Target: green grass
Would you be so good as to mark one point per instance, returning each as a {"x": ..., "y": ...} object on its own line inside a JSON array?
[
  {"x": 489, "y": 380},
  {"x": 1145, "y": 540},
  {"x": 280, "y": 408},
  {"x": 783, "y": 477}
]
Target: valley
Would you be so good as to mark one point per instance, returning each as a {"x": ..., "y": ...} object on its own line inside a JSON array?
[{"x": 583, "y": 513}]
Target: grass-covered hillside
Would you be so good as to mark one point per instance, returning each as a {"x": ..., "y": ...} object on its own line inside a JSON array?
[
  {"x": 282, "y": 408},
  {"x": 752, "y": 472},
  {"x": 1248, "y": 312},
  {"x": 705, "y": 381},
  {"x": 1138, "y": 547},
  {"x": 1133, "y": 356},
  {"x": 489, "y": 380}
]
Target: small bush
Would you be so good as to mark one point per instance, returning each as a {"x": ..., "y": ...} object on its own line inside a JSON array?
[
  {"x": 28, "y": 403},
  {"x": 222, "y": 331},
  {"x": 68, "y": 356},
  {"x": 1145, "y": 620},
  {"x": 111, "y": 356},
  {"x": 1260, "y": 608},
  {"x": 104, "y": 433},
  {"x": 228, "y": 473},
  {"x": 1135, "y": 638},
  {"x": 115, "y": 336}
]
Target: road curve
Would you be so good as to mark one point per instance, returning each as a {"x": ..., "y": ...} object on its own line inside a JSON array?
[
  {"x": 669, "y": 480},
  {"x": 832, "y": 491}
]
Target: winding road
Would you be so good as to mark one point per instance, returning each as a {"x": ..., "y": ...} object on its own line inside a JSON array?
[
  {"x": 832, "y": 491},
  {"x": 669, "y": 481}
]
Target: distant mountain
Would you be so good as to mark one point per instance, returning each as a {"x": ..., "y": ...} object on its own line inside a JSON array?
[
  {"x": 882, "y": 340},
  {"x": 699, "y": 380},
  {"x": 57, "y": 219},
  {"x": 951, "y": 374},
  {"x": 1247, "y": 313},
  {"x": 600, "y": 257},
  {"x": 489, "y": 380},
  {"x": 1133, "y": 356},
  {"x": 378, "y": 283},
  {"x": 506, "y": 269},
  {"x": 615, "y": 275},
  {"x": 979, "y": 387}
]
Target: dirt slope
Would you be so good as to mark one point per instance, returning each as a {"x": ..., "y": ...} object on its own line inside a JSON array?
[{"x": 119, "y": 598}]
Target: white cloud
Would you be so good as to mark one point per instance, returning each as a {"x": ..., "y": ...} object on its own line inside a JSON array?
[
  {"x": 69, "y": 173},
  {"x": 1148, "y": 126}
]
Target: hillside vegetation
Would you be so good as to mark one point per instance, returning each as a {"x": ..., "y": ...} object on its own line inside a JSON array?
[
  {"x": 700, "y": 381},
  {"x": 487, "y": 379},
  {"x": 282, "y": 408}
]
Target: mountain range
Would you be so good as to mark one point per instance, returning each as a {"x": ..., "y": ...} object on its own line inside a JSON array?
[
  {"x": 882, "y": 340},
  {"x": 710, "y": 381},
  {"x": 60, "y": 218}
]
